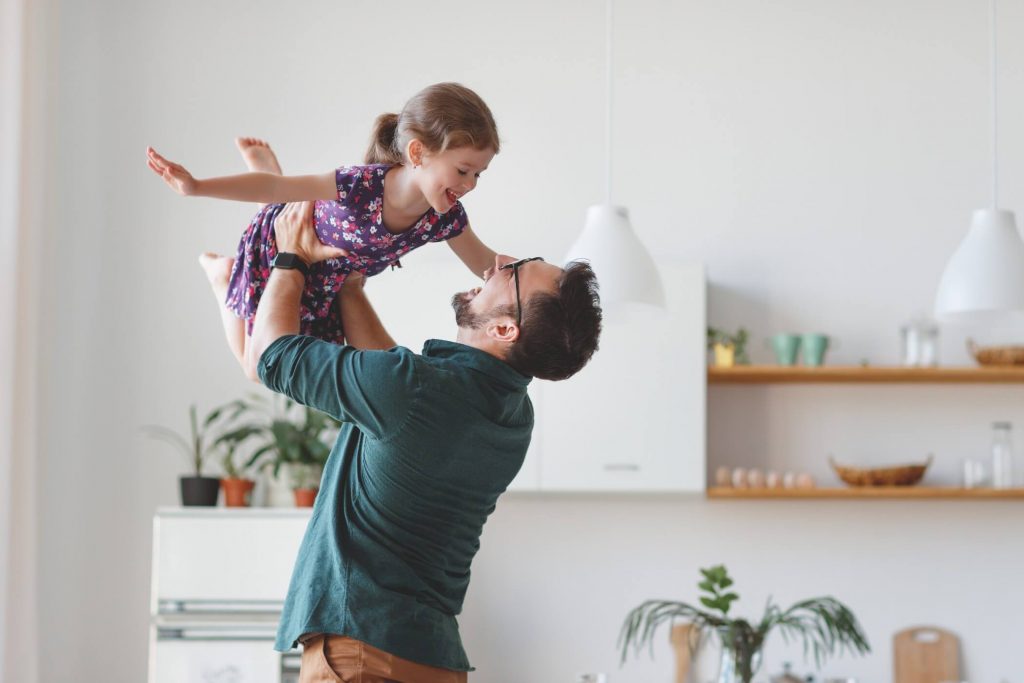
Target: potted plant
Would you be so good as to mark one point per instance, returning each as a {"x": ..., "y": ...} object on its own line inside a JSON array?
[
  {"x": 236, "y": 486},
  {"x": 824, "y": 625},
  {"x": 294, "y": 436},
  {"x": 197, "y": 489},
  {"x": 729, "y": 349}
]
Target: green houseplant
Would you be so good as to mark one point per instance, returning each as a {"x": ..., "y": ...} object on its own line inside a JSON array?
[
  {"x": 293, "y": 437},
  {"x": 824, "y": 625},
  {"x": 235, "y": 483},
  {"x": 198, "y": 447},
  {"x": 729, "y": 349}
]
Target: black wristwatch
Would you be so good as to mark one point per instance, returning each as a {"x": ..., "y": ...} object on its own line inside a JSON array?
[{"x": 289, "y": 261}]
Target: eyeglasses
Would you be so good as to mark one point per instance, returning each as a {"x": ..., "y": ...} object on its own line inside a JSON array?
[{"x": 515, "y": 266}]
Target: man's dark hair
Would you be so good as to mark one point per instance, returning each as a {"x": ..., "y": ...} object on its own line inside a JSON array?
[{"x": 560, "y": 331}]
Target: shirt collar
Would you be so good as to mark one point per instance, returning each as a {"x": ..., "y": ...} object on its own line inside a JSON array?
[{"x": 475, "y": 359}]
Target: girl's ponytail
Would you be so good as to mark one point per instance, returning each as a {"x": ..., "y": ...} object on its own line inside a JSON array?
[
  {"x": 382, "y": 149},
  {"x": 441, "y": 116}
]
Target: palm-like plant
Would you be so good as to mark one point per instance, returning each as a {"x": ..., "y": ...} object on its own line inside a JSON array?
[
  {"x": 824, "y": 624},
  {"x": 200, "y": 442}
]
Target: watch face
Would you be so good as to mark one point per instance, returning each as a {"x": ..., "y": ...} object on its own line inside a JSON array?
[{"x": 288, "y": 261}]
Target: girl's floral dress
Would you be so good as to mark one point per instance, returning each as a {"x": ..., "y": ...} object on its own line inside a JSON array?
[{"x": 354, "y": 221}]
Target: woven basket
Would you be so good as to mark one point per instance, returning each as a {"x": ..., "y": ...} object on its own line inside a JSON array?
[
  {"x": 996, "y": 355},
  {"x": 897, "y": 475}
]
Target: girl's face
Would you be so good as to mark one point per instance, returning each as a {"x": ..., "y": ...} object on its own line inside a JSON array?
[{"x": 445, "y": 177}]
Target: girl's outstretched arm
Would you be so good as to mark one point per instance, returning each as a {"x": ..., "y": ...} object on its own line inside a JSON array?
[
  {"x": 477, "y": 256},
  {"x": 266, "y": 188}
]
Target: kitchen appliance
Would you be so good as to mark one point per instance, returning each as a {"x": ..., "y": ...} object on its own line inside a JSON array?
[{"x": 219, "y": 579}]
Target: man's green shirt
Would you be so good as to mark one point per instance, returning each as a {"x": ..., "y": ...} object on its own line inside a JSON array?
[{"x": 428, "y": 444}]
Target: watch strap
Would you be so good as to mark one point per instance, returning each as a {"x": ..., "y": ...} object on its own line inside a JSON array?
[{"x": 289, "y": 261}]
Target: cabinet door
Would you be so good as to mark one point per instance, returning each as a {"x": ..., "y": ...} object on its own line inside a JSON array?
[
  {"x": 225, "y": 556},
  {"x": 216, "y": 661},
  {"x": 633, "y": 419}
]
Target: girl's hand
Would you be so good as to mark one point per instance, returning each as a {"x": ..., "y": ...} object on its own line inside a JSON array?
[{"x": 175, "y": 175}]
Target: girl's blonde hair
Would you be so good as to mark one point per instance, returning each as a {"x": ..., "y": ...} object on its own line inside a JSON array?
[{"x": 441, "y": 116}]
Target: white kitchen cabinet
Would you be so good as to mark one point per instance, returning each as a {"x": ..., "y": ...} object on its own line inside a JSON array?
[
  {"x": 219, "y": 580},
  {"x": 632, "y": 420},
  {"x": 225, "y": 554}
]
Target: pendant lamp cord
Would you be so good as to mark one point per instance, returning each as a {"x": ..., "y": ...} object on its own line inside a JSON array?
[
  {"x": 607, "y": 117},
  {"x": 995, "y": 110}
]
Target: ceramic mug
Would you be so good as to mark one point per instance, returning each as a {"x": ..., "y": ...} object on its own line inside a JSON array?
[
  {"x": 786, "y": 347},
  {"x": 814, "y": 348}
]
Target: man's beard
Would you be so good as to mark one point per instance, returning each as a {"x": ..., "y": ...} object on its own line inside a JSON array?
[
  {"x": 470, "y": 320},
  {"x": 464, "y": 317}
]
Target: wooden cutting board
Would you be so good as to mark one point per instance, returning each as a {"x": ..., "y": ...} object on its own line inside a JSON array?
[{"x": 925, "y": 654}]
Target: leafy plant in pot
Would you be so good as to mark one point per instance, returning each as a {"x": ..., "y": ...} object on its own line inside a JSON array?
[
  {"x": 824, "y": 625},
  {"x": 197, "y": 490},
  {"x": 294, "y": 436},
  {"x": 729, "y": 349},
  {"x": 236, "y": 485}
]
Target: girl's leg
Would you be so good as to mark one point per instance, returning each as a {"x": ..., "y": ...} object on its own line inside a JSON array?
[
  {"x": 258, "y": 156},
  {"x": 218, "y": 270}
]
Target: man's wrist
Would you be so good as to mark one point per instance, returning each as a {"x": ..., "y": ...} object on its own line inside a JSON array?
[{"x": 289, "y": 260}]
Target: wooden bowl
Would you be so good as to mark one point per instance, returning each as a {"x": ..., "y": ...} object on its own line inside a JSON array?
[
  {"x": 996, "y": 355},
  {"x": 896, "y": 475}
]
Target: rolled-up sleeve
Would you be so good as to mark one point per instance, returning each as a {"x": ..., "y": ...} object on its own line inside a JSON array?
[{"x": 374, "y": 390}]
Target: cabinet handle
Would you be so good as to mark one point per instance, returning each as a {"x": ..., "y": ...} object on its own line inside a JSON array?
[{"x": 621, "y": 467}]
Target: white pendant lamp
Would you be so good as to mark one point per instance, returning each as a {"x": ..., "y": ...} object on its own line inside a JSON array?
[
  {"x": 625, "y": 270},
  {"x": 984, "y": 278}
]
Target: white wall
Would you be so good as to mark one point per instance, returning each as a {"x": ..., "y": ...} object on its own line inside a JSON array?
[{"x": 821, "y": 158}]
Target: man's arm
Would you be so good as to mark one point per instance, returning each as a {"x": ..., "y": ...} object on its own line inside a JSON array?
[{"x": 363, "y": 329}]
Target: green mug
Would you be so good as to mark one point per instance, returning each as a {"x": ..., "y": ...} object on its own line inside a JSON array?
[
  {"x": 786, "y": 347},
  {"x": 814, "y": 346}
]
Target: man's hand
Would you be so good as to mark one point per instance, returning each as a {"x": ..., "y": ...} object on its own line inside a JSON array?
[
  {"x": 175, "y": 175},
  {"x": 294, "y": 233}
]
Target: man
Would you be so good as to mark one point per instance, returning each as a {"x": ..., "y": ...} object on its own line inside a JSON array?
[{"x": 429, "y": 442}]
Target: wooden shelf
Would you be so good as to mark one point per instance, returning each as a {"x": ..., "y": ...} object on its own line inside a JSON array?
[
  {"x": 840, "y": 374},
  {"x": 875, "y": 492}
]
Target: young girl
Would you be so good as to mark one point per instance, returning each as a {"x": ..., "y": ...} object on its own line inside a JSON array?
[{"x": 419, "y": 165}]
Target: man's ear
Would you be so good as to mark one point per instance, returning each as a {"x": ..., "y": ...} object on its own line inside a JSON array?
[
  {"x": 414, "y": 151},
  {"x": 503, "y": 329}
]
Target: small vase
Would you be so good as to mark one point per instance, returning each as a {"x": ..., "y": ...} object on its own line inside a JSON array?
[
  {"x": 735, "y": 663},
  {"x": 725, "y": 355},
  {"x": 199, "y": 491},
  {"x": 304, "y": 498},
  {"x": 236, "y": 492}
]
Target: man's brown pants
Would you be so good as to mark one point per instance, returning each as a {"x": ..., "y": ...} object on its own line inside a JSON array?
[{"x": 338, "y": 659}]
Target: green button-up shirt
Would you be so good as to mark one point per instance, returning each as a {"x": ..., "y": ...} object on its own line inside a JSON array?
[{"x": 428, "y": 444}]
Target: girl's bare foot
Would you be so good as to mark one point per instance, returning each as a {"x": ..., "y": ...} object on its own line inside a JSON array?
[
  {"x": 218, "y": 270},
  {"x": 258, "y": 156}
]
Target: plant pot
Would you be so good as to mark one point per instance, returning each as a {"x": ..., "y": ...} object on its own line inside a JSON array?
[
  {"x": 725, "y": 355},
  {"x": 304, "y": 498},
  {"x": 237, "y": 492},
  {"x": 199, "y": 491}
]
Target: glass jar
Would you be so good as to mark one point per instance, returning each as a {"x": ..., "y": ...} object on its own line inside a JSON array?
[
  {"x": 920, "y": 343},
  {"x": 1002, "y": 455}
]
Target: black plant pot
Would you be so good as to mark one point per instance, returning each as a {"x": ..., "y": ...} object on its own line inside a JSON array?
[{"x": 199, "y": 491}]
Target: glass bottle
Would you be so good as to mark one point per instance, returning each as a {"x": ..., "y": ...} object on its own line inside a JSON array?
[{"x": 1002, "y": 455}]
